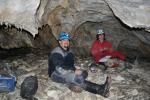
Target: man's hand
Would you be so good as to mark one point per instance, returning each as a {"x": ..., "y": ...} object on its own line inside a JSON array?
[
  {"x": 105, "y": 48},
  {"x": 78, "y": 72},
  {"x": 111, "y": 50},
  {"x": 108, "y": 49}
]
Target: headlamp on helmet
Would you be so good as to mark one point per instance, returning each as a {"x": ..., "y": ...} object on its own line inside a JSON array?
[
  {"x": 100, "y": 31},
  {"x": 64, "y": 36}
]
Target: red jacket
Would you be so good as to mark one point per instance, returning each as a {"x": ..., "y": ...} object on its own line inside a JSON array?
[{"x": 100, "y": 50}]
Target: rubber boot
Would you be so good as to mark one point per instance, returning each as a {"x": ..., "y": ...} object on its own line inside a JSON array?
[
  {"x": 102, "y": 89},
  {"x": 84, "y": 74}
]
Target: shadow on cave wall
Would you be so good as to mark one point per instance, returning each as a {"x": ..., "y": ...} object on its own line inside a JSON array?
[{"x": 16, "y": 42}]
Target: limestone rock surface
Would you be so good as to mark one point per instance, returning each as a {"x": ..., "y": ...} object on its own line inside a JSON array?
[
  {"x": 134, "y": 13},
  {"x": 20, "y": 13},
  {"x": 67, "y": 15}
]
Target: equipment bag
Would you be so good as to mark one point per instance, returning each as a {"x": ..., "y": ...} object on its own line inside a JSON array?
[
  {"x": 29, "y": 87},
  {"x": 7, "y": 83}
]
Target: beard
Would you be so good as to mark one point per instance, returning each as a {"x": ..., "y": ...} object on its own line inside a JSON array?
[{"x": 67, "y": 48}]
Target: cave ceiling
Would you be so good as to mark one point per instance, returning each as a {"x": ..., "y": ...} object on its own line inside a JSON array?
[{"x": 67, "y": 15}]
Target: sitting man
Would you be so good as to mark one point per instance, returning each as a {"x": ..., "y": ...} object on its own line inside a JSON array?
[
  {"x": 62, "y": 70},
  {"x": 103, "y": 52}
]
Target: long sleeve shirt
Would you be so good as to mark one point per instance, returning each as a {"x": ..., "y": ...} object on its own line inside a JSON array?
[
  {"x": 60, "y": 58},
  {"x": 100, "y": 50}
]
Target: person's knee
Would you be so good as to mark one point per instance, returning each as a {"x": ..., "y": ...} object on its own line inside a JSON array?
[{"x": 57, "y": 78}]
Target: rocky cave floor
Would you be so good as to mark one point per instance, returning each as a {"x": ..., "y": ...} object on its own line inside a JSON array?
[{"x": 127, "y": 84}]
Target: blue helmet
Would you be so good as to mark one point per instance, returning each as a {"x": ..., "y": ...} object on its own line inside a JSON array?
[{"x": 64, "y": 36}]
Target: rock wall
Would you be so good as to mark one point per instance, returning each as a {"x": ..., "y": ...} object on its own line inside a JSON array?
[
  {"x": 130, "y": 42},
  {"x": 134, "y": 13},
  {"x": 20, "y": 13},
  {"x": 80, "y": 18},
  {"x": 69, "y": 14},
  {"x": 14, "y": 38}
]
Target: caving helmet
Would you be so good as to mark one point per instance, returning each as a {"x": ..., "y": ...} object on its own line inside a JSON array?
[
  {"x": 64, "y": 36},
  {"x": 100, "y": 31}
]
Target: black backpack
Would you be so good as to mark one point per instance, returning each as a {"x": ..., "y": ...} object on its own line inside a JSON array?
[{"x": 29, "y": 87}]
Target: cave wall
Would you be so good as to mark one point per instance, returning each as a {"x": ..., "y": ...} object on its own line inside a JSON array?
[
  {"x": 69, "y": 14},
  {"x": 11, "y": 37},
  {"x": 124, "y": 22},
  {"x": 133, "y": 13},
  {"x": 122, "y": 37},
  {"x": 20, "y": 13}
]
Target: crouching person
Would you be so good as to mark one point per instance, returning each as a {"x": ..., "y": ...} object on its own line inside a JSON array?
[
  {"x": 62, "y": 70},
  {"x": 103, "y": 53}
]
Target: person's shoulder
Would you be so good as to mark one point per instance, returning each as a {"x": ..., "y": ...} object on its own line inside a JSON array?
[
  {"x": 95, "y": 43},
  {"x": 56, "y": 49}
]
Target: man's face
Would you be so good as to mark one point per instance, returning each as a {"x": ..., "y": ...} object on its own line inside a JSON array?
[
  {"x": 101, "y": 37},
  {"x": 64, "y": 44}
]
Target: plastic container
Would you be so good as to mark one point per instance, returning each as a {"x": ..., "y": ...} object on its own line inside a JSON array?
[{"x": 7, "y": 84}]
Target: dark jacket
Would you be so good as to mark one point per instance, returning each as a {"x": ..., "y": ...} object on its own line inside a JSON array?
[{"x": 60, "y": 58}]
